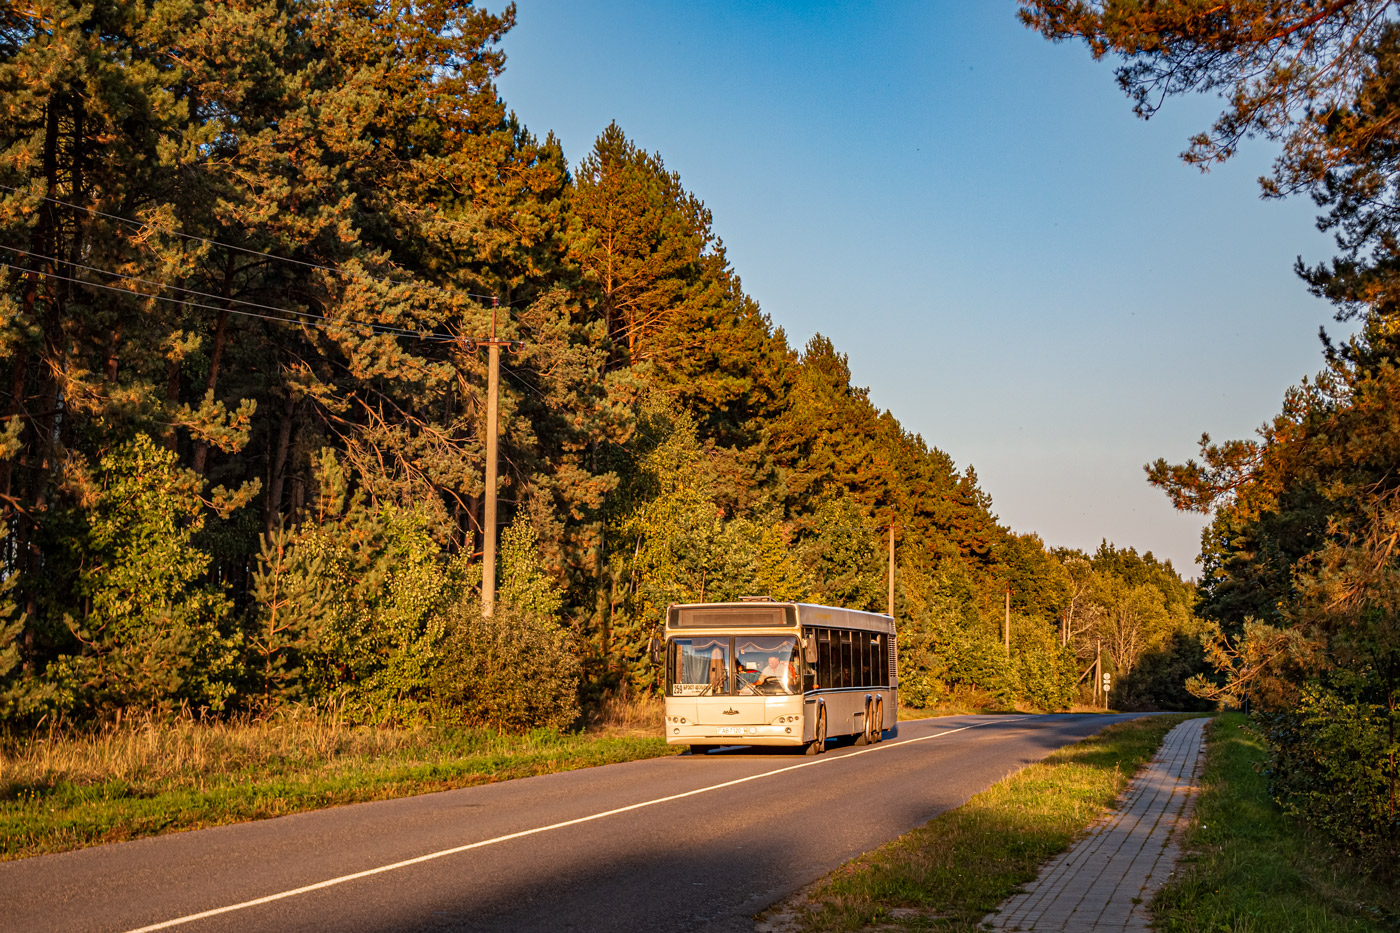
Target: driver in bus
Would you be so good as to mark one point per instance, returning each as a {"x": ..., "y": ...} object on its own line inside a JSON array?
[{"x": 777, "y": 671}]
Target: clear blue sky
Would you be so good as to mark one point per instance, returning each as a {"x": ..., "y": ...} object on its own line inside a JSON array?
[{"x": 1019, "y": 269}]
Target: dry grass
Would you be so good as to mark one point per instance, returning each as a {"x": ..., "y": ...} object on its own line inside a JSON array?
[
  {"x": 150, "y": 749},
  {"x": 65, "y": 789},
  {"x": 635, "y": 716}
]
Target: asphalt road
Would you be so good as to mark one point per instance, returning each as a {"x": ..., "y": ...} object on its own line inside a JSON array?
[{"x": 671, "y": 844}]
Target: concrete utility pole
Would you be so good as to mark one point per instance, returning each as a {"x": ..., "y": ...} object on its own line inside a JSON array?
[
  {"x": 891, "y": 603},
  {"x": 493, "y": 380},
  {"x": 1006, "y": 629}
]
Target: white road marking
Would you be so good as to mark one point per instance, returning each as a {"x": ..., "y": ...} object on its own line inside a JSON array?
[{"x": 331, "y": 882}]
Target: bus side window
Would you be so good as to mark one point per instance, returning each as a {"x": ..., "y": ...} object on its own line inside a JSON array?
[
  {"x": 854, "y": 638},
  {"x": 840, "y": 659},
  {"x": 809, "y": 659},
  {"x": 824, "y": 666}
]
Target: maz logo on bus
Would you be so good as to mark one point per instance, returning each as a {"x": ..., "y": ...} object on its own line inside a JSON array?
[{"x": 731, "y": 712}]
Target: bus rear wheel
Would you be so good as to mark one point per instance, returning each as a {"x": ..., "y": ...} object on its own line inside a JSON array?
[
  {"x": 818, "y": 743},
  {"x": 877, "y": 725}
]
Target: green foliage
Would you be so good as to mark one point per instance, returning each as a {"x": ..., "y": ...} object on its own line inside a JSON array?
[
  {"x": 155, "y": 632},
  {"x": 288, "y": 619},
  {"x": 511, "y": 672},
  {"x": 1333, "y": 763},
  {"x": 1301, "y": 582},
  {"x": 275, "y": 494},
  {"x": 1043, "y": 671},
  {"x": 675, "y": 544},
  {"x": 945, "y": 643},
  {"x": 1285, "y": 68},
  {"x": 384, "y": 584},
  {"x": 643, "y": 241},
  {"x": 1249, "y": 866},
  {"x": 1159, "y": 681},
  {"x": 523, "y": 584},
  {"x": 841, "y": 550},
  {"x": 21, "y": 693}
]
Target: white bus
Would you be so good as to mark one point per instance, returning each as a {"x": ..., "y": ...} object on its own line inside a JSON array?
[{"x": 759, "y": 672}]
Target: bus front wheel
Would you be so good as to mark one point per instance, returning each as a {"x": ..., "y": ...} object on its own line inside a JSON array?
[{"x": 818, "y": 743}]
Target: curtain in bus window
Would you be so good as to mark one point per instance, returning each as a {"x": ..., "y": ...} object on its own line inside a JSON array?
[{"x": 701, "y": 666}]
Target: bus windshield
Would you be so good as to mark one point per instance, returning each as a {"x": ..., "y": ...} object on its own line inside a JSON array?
[{"x": 761, "y": 665}]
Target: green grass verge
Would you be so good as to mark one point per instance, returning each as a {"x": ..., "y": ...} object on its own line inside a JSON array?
[
  {"x": 956, "y": 869},
  {"x": 67, "y": 797},
  {"x": 1250, "y": 868}
]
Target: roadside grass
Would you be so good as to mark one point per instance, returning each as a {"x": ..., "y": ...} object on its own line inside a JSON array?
[
  {"x": 1249, "y": 868},
  {"x": 67, "y": 790},
  {"x": 954, "y": 870}
]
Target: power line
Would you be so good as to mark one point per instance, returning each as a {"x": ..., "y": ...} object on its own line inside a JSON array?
[
  {"x": 240, "y": 249},
  {"x": 306, "y": 318},
  {"x": 163, "y": 285}
]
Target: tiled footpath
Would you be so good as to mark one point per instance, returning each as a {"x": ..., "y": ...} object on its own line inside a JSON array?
[{"x": 1107, "y": 879}]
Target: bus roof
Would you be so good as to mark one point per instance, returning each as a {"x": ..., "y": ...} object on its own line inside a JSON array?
[{"x": 768, "y": 613}]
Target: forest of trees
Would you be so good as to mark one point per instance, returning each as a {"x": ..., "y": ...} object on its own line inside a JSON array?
[
  {"x": 1301, "y": 583},
  {"x": 250, "y": 250}
]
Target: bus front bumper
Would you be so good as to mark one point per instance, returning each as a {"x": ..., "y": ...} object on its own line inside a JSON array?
[{"x": 690, "y": 734}]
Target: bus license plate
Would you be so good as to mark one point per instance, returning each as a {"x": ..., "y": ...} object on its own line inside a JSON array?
[{"x": 738, "y": 730}]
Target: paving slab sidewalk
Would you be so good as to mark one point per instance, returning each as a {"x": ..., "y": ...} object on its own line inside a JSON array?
[{"x": 1106, "y": 880}]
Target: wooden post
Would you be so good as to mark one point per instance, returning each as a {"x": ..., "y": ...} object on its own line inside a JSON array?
[{"x": 1098, "y": 671}]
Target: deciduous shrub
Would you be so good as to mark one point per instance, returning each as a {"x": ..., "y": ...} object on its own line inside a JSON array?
[
  {"x": 511, "y": 672},
  {"x": 1043, "y": 670},
  {"x": 1333, "y": 765}
]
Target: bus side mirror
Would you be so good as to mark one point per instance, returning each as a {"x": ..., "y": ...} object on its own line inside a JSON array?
[
  {"x": 655, "y": 648},
  {"x": 809, "y": 652}
]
